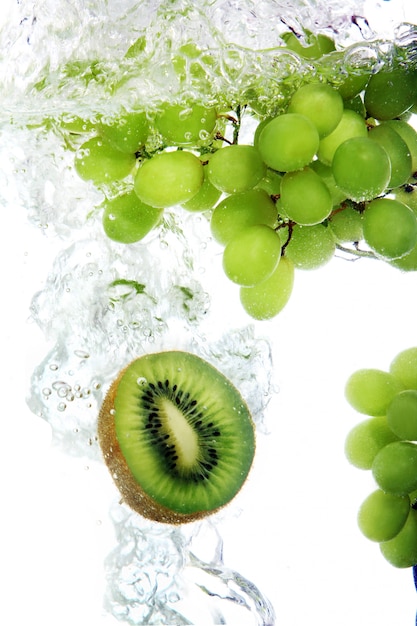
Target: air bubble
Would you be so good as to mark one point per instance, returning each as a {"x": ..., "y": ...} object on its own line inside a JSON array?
[
  {"x": 185, "y": 113},
  {"x": 61, "y": 406},
  {"x": 46, "y": 391},
  {"x": 82, "y": 354},
  {"x": 53, "y": 367}
]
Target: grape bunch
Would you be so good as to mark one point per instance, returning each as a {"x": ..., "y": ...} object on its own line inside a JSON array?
[
  {"x": 333, "y": 167},
  {"x": 386, "y": 444}
]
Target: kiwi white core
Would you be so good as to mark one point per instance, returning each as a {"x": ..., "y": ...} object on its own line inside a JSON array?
[{"x": 185, "y": 437}]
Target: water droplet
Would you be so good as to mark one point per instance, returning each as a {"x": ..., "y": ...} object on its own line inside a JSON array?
[
  {"x": 82, "y": 354},
  {"x": 141, "y": 381},
  {"x": 61, "y": 406},
  {"x": 46, "y": 391},
  {"x": 53, "y": 367}
]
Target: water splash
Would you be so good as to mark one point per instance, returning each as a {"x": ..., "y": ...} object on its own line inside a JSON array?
[
  {"x": 104, "y": 304},
  {"x": 159, "y": 575}
]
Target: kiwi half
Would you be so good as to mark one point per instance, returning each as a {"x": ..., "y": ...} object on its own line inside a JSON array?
[{"x": 176, "y": 436}]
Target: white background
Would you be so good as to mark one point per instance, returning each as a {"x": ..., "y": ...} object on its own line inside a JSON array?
[{"x": 296, "y": 537}]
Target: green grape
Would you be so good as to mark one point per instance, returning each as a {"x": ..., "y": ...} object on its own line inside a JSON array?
[
  {"x": 401, "y": 551},
  {"x": 259, "y": 129},
  {"x": 409, "y": 134},
  {"x": 351, "y": 125},
  {"x": 205, "y": 198},
  {"x": 252, "y": 255},
  {"x": 382, "y": 515},
  {"x": 370, "y": 391},
  {"x": 346, "y": 225},
  {"x": 355, "y": 104},
  {"x": 389, "y": 93},
  {"x": 322, "y": 104},
  {"x": 127, "y": 132},
  {"x": 408, "y": 262},
  {"x": 402, "y": 414},
  {"x": 271, "y": 182},
  {"x": 407, "y": 194},
  {"x": 266, "y": 299},
  {"x": 235, "y": 168},
  {"x": 317, "y": 45},
  {"x": 326, "y": 173},
  {"x": 126, "y": 219},
  {"x": 366, "y": 439},
  {"x": 169, "y": 178},
  {"x": 189, "y": 58},
  {"x": 354, "y": 83},
  {"x": 398, "y": 153},
  {"x": 76, "y": 124},
  {"x": 186, "y": 124},
  {"x": 310, "y": 247},
  {"x": 97, "y": 160},
  {"x": 305, "y": 197},
  {"x": 404, "y": 368},
  {"x": 361, "y": 168},
  {"x": 389, "y": 228},
  {"x": 288, "y": 142},
  {"x": 239, "y": 210},
  {"x": 395, "y": 467}
]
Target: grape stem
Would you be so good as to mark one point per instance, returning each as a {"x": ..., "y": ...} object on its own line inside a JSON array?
[{"x": 356, "y": 251}]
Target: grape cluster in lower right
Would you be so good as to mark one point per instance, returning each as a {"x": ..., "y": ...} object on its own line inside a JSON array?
[{"x": 386, "y": 444}]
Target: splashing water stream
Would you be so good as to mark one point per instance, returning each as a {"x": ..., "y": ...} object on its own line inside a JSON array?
[{"x": 103, "y": 304}]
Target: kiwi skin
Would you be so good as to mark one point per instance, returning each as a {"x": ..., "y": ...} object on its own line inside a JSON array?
[{"x": 131, "y": 491}]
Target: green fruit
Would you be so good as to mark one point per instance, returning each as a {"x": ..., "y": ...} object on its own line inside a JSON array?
[
  {"x": 239, "y": 210},
  {"x": 382, "y": 515},
  {"x": 252, "y": 255},
  {"x": 402, "y": 414},
  {"x": 288, "y": 142},
  {"x": 266, "y": 299},
  {"x": 404, "y": 368},
  {"x": 235, "y": 168},
  {"x": 126, "y": 219},
  {"x": 322, "y": 104},
  {"x": 187, "y": 124},
  {"x": 361, "y": 168},
  {"x": 398, "y": 152},
  {"x": 317, "y": 45},
  {"x": 177, "y": 437},
  {"x": 395, "y": 467},
  {"x": 390, "y": 93},
  {"x": 389, "y": 228},
  {"x": 366, "y": 439},
  {"x": 127, "y": 132},
  {"x": 169, "y": 178},
  {"x": 99, "y": 161},
  {"x": 370, "y": 391},
  {"x": 401, "y": 551}
]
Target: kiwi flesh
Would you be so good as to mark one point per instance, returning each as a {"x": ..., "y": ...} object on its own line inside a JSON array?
[{"x": 177, "y": 437}]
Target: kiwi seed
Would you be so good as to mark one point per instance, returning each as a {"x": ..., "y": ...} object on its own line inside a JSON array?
[{"x": 176, "y": 436}]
